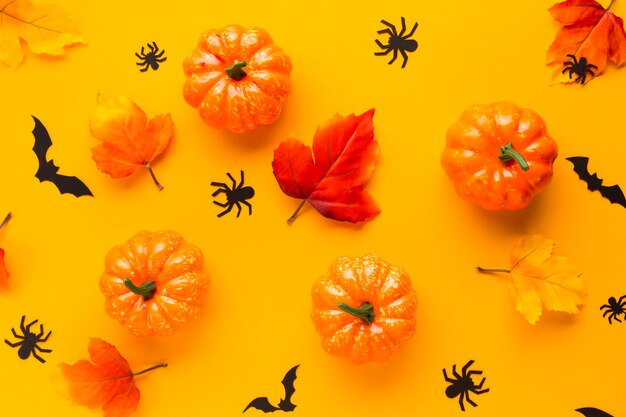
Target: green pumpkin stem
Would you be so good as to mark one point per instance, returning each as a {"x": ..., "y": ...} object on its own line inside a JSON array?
[
  {"x": 365, "y": 312},
  {"x": 507, "y": 153},
  {"x": 236, "y": 71},
  {"x": 146, "y": 289}
]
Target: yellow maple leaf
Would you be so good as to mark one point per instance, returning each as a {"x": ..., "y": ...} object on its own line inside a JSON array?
[
  {"x": 540, "y": 280},
  {"x": 45, "y": 28}
]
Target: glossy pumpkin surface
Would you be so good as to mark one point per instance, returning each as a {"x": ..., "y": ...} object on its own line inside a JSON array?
[
  {"x": 364, "y": 308},
  {"x": 154, "y": 283},
  {"x": 237, "y": 78},
  {"x": 499, "y": 156}
]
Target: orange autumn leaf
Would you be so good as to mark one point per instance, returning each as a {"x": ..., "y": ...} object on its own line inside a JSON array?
[
  {"x": 45, "y": 28},
  {"x": 105, "y": 382},
  {"x": 129, "y": 139},
  {"x": 4, "y": 274},
  {"x": 591, "y": 35}
]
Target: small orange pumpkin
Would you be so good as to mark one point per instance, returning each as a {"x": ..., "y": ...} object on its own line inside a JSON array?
[
  {"x": 154, "y": 283},
  {"x": 237, "y": 78},
  {"x": 364, "y": 308}
]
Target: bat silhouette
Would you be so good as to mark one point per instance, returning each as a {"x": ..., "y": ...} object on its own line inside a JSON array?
[
  {"x": 47, "y": 171},
  {"x": 285, "y": 404},
  {"x": 612, "y": 193},
  {"x": 592, "y": 412}
]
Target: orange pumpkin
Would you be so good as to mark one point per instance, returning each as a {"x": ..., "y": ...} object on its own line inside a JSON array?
[
  {"x": 364, "y": 308},
  {"x": 237, "y": 78},
  {"x": 154, "y": 283},
  {"x": 499, "y": 156}
]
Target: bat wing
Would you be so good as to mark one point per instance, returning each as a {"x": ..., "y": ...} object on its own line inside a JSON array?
[
  {"x": 286, "y": 404},
  {"x": 263, "y": 404},
  {"x": 592, "y": 412},
  {"x": 580, "y": 166},
  {"x": 47, "y": 170},
  {"x": 614, "y": 194}
]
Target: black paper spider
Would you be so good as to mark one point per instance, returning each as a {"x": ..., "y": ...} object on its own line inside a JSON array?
[
  {"x": 235, "y": 195},
  {"x": 580, "y": 68},
  {"x": 615, "y": 308},
  {"x": 397, "y": 41},
  {"x": 463, "y": 384},
  {"x": 151, "y": 59},
  {"x": 29, "y": 341}
]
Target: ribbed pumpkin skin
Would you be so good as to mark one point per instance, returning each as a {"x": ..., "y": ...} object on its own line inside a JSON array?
[
  {"x": 355, "y": 281},
  {"x": 177, "y": 269}
]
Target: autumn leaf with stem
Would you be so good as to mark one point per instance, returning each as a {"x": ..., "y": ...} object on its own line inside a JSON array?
[
  {"x": 45, "y": 28},
  {"x": 4, "y": 274},
  {"x": 591, "y": 35},
  {"x": 105, "y": 382},
  {"x": 129, "y": 139},
  {"x": 540, "y": 280}
]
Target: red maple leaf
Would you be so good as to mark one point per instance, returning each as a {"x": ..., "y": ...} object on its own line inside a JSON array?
[
  {"x": 106, "y": 381},
  {"x": 589, "y": 31},
  {"x": 331, "y": 176}
]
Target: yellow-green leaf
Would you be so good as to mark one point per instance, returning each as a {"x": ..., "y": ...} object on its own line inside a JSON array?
[
  {"x": 46, "y": 29},
  {"x": 540, "y": 280}
]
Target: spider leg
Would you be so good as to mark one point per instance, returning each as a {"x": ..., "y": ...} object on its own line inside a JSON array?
[
  {"x": 620, "y": 300},
  {"x": 403, "y": 26},
  {"x": 142, "y": 52},
  {"x": 16, "y": 335},
  {"x": 383, "y": 53},
  {"x": 411, "y": 32},
  {"x": 221, "y": 204},
  {"x": 160, "y": 54},
  {"x": 230, "y": 207},
  {"x": 470, "y": 373},
  {"x": 406, "y": 58},
  {"x": 233, "y": 180},
  {"x": 45, "y": 338},
  {"x": 583, "y": 76},
  {"x": 42, "y": 349},
  {"x": 467, "y": 398},
  {"x": 27, "y": 328},
  {"x": 145, "y": 68},
  {"x": 40, "y": 331},
  {"x": 574, "y": 59},
  {"x": 446, "y": 377},
  {"x": 241, "y": 183},
  {"x": 588, "y": 71},
  {"x": 463, "y": 394},
  {"x": 456, "y": 374},
  {"x": 249, "y": 207},
  {"x": 16, "y": 344},
  {"x": 610, "y": 317},
  {"x": 616, "y": 318},
  {"x": 386, "y": 31},
  {"x": 607, "y": 306},
  {"x": 153, "y": 48},
  {"x": 467, "y": 365},
  {"x": 221, "y": 190},
  {"x": 161, "y": 59},
  {"x": 139, "y": 56},
  {"x": 395, "y": 55},
  {"x": 479, "y": 386},
  {"x": 238, "y": 208},
  {"x": 39, "y": 358},
  {"x": 392, "y": 27}
]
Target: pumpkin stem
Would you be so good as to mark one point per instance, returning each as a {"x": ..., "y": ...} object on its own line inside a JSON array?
[
  {"x": 236, "y": 71},
  {"x": 507, "y": 153},
  {"x": 158, "y": 184},
  {"x": 6, "y": 220},
  {"x": 365, "y": 312},
  {"x": 146, "y": 289},
  {"x": 491, "y": 271},
  {"x": 159, "y": 365}
]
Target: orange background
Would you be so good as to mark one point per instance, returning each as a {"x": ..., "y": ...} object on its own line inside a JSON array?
[{"x": 257, "y": 324}]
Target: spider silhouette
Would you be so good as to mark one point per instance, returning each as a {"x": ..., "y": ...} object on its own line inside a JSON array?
[
  {"x": 234, "y": 196},
  {"x": 463, "y": 384},
  {"x": 150, "y": 59},
  {"x": 397, "y": 41},
  {"x": 615, "y": 308},
  {"x": 580, "y": 68},
  {"x": 29, "y": 340}
]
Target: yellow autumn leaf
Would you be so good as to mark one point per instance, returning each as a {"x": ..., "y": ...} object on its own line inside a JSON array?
[
  {"x": 540, "y": 280},
  {"x": 46, "y": 29}
]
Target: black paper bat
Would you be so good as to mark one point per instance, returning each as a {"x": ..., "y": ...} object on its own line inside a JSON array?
[
  {"x": 592, "y": 412},
  {"x": 285, "y": 404},
  {"x": 612, "y": 193},
  {"x": 47, "y": 171}
]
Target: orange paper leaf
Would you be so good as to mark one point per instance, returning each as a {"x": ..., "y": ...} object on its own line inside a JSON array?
[
  {"x": 129, "y": 139},
  {"x": 589, "y": 31},
  {"x": 106, "y": 381},
  {"x": 4, "y": 274},
  {"x": 45, "y": 28}
]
